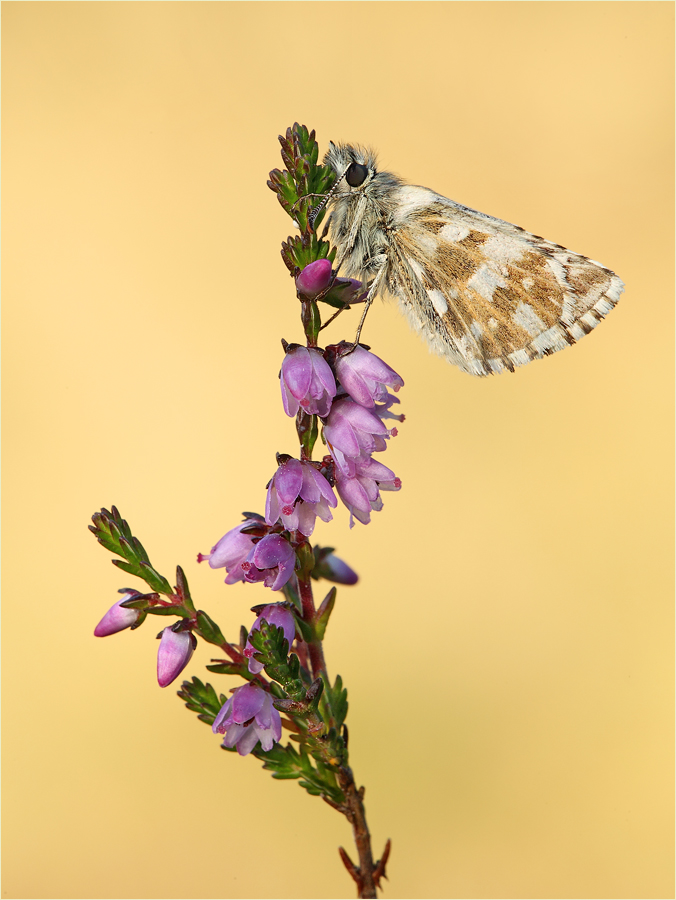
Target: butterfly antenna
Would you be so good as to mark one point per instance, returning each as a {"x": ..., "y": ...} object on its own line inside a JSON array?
[{"x": 314, "y": 212}]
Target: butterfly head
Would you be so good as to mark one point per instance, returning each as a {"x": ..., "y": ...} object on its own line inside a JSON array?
[{"x": 355, "y": 167}]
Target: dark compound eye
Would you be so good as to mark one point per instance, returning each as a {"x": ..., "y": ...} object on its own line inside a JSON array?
[{"x": 356, "y": 174}]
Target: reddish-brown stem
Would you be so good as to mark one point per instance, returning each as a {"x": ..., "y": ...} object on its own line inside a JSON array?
[
  {"x": 317, "y": 662},
  {"x": 234, "y": 655},
  {"x": 368, "y": 874}
]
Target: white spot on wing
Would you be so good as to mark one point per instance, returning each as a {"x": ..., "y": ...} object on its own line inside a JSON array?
[
  {"x": 417, "y": 268},
  {"x": 410, "y": 198},
  {"x": 462, "y": 343},
  {"x": 453, "y": 231},
  {"x": 525, "y": 316},
  {"x": 426, "y": 241},
  {"x": 438, "y": 301},
  {"x": 504, "y": 249},
  {"x": 476, "y": 328},
  {"x": 492, "y": 323},
  {"x": 485, "y": 280}
]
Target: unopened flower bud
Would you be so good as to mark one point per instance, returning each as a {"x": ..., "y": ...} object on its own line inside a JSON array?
[
  {"x": 176, "y": 648},
  {"x": 117, "y": 618},
  {"x": 314, "y": 278},
  {"x": 334, "y": 569}
]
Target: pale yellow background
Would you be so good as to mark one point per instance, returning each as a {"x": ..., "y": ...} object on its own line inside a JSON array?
[{"x": 508, "y": 650}]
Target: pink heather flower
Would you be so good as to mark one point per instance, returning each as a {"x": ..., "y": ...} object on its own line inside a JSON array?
[
  {"x": 176, "y": 648},
  {"x": 274, "y": 614},
  {"x": 382, "y": 410},
  {"x": 271, "y": 561},
  {"x": 231, "y": 551},
  {"x": 352, "y": 431},
  {"x": 314, "y": 278},
  {"x": 360, "y": 487},
  {"x": 307, "y": 381},
  {"x": 118, "y": 618},
  {"x": 364, "y": 375},
  {"x": 297, "y": 494},
  {"x": 248, "y": 717}
]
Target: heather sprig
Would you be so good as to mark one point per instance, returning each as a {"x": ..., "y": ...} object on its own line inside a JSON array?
[{"x": 341, "y": 395}]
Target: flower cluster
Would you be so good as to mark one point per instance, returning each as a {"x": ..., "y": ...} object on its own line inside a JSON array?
[
  {"x": 177, "y": 643},
  {"x": 246, "y": 556},
  {"x": 347, "y": 387},
  {"x": 248, "y": 717},
  {"x": 297, "y": 494}
]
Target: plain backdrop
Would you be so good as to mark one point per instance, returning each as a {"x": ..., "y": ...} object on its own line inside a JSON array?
[{"x": 508, "y": 649}]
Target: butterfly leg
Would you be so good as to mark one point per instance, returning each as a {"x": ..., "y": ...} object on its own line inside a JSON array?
[{"x": 373, "y": 289}]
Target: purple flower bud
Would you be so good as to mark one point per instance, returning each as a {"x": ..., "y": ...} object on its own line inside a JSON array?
[
  {"x": 360, "y": 487},
  {"x": 353, "y": 431},
  {"x": 297, "y": 494},
  {"x": 314, "y": 278},
  {"x": 231, "y": 551},
  {"x": 271, "y": 561},
  {"x": 248, "y": 717},
  {"x": 364, "y": 375},
  {"x": 117, "y": 618},
  {"x": 176, "y": 648},
  {"x": 334, "y": 569},
  {"x": 307, "y": 381},
  {"x": 274, "y": 614},
  {"x": 344, "y": 291}
]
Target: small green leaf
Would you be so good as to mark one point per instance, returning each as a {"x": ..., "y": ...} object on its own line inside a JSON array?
[
  {"x": 208, "y": 629},
  {"x": 169, "y": 611},
  {"x": 324, "y": 613}
]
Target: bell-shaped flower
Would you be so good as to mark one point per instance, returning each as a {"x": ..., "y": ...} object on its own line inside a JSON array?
[
  {"x": 173, "y": 655},
  {"x": 274, "y": 614},
  {"x": 271, "y": 561},
  {"x": 248, "y": 717},
  {"x": 231, "y": 551},
  {"x": 364, "y": 375},
  {"x": 382, "y": 410},
  {"x": 360, "y": 487},
  {"x": 297, "y": 494},
  {"x": 118, "y": 618},
  {"x": 307, "y": 382},
  {"x": 314, "y": 278},
  {"x": 352, "y": 431}
]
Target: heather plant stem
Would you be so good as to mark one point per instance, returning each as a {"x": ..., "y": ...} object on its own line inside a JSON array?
[
  {"x": 356, "y": 815},
  {"x": 353, "y": 807},
  {"x": 317, "y": 661}
]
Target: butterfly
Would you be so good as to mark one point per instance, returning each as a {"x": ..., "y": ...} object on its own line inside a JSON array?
[{"x": 486, "y": 295}]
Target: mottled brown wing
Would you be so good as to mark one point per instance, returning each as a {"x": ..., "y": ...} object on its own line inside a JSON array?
[{"x": 488, "y": 295}]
